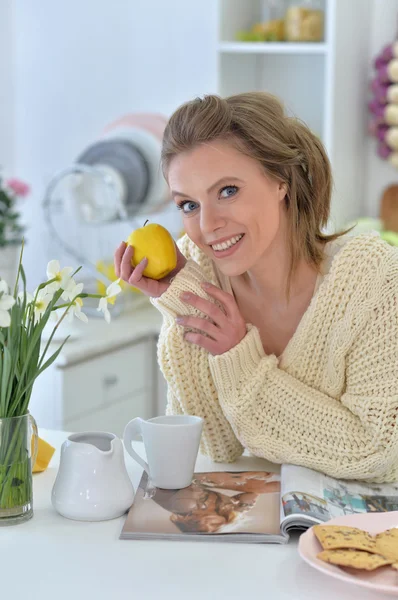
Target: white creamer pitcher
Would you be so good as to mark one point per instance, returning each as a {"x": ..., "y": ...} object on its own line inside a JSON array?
[{"x": 92, "y": 483}]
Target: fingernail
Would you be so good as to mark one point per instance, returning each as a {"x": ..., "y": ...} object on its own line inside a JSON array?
[
  {"x": 206, "y": 284},
  {"x": 179, "y": 320},
  {"x": 143, "y": 260},
  {"x": 185, "y": 296}
]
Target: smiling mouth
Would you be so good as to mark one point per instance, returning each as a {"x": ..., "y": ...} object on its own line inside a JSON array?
[
  {"x": 227, "y": 248},
  {"x": 227, "y": 244}
]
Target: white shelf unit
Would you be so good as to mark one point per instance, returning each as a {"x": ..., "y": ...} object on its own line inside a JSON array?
[
  {"x": 271, "y": 48},
  {"x": 324, "y": 84}
]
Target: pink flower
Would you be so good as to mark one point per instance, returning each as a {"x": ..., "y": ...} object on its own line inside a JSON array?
[{"x": 18, "y": 187}]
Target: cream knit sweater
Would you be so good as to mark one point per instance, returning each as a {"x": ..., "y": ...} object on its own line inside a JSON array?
[{"x": 330, "y": 401}]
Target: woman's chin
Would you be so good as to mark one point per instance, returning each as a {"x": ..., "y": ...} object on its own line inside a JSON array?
[
  {"x": 231, "y": 269},
  {"x": 229, "y": 266}
]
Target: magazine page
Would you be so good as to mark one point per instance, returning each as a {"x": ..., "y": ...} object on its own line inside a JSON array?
[
  {"x": 239, "y": 506},
  {"x": 302, "y": 501},
  {"x": 309, "y": 497}
]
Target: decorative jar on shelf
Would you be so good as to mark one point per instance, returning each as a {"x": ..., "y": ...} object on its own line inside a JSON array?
[{"x": 304, "y": 21}]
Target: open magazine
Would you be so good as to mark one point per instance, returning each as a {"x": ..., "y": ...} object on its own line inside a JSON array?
[{"x": 250, "y": 506}]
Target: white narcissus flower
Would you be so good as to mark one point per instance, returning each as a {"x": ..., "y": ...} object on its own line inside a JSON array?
[
  {"x": 103, "y": 306},
  {"x": 62, "y": 276},
  {"x": 114, "y": 289},
  {"x": 6, "y": 303},
  {"x": 72, "y": 290},
  {"x": 75, "y": 310},
  {"x": 111, "y": 291},
  {"x": 43, "y": 299}
]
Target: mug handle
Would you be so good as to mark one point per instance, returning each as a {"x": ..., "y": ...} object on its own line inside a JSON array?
[{"x": 129, "y": 434}]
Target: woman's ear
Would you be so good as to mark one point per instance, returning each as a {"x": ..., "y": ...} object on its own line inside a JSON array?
[{"x": 282, "y": 190}]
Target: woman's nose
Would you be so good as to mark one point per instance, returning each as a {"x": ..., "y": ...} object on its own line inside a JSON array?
[{"x": 211, "y": 220}]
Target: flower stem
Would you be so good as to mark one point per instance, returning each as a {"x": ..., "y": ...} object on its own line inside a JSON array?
[{"x": 15, "y": 464}]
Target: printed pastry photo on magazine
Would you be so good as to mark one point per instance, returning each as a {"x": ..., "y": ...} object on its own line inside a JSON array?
[{"x": 250, "y": 506}]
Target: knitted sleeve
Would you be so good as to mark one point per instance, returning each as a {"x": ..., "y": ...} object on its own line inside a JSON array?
[
  {"x": 190, "y": 386},
  {"x": 277, "y": 416}
]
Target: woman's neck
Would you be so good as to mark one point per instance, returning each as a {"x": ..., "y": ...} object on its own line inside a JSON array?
[{"x": 269, "y": 276}]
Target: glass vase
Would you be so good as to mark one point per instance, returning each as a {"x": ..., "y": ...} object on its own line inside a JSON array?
[{"x": 18, "y": 449}]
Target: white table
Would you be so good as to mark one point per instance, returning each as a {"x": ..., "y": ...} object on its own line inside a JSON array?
[{"x": 53, "y": 558}]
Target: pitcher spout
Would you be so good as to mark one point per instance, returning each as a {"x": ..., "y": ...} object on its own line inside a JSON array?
[{"x": 101, "y": 441}]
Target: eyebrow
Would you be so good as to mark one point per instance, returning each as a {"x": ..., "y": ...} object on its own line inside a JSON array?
[{"x": 211, "y": 188}]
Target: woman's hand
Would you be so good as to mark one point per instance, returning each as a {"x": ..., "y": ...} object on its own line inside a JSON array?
[
  {"x": 225, "y": 329},
  {"x": 133, "y": 275}
]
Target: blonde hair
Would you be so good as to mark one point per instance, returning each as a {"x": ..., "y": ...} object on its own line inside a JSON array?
[{"x": 257, "y": 125}]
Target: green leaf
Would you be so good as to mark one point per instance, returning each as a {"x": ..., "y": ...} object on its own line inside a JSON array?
[
  {"x": 27, "y": 390},
  {"x": 5, "y": 376},
  {"x": 2, "y": 402},
  {"x": 53, "y": 356},
  {"x": 34, "y": 336},
  {"x": 20, "y": 273}
]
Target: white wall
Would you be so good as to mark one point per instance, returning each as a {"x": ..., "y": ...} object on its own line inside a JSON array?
[
  {"x": 79, "y": 65},
  {"x": 7, "y": 89},
  {"x": 379, "y": 174}
]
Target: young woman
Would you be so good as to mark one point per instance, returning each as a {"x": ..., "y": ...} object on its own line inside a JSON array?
[{"x": 284, "y": 339}]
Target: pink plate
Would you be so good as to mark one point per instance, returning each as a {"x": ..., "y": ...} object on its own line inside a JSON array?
[{"x": 384, "y": 579}]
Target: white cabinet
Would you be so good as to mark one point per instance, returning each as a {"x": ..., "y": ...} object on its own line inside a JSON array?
[
  {"x": 108, "y": 379},
  {"x": 105, "y": 376},
  {"x": 114, "y": 417},
  {"x": 324, "y": 84},
  {"x": 108, "y": 391}
]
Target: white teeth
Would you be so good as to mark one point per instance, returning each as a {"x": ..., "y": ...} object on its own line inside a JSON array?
[{"x": 228, "y": 243}]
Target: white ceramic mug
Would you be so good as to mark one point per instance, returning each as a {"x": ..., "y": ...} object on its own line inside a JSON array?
[{"x": 171, "y": 444}]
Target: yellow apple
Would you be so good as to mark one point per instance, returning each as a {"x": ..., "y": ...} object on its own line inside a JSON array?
[{"x": 156, "y": 244}]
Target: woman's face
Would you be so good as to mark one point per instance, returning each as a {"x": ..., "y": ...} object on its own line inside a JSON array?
[{"x": 231, "y": 209}]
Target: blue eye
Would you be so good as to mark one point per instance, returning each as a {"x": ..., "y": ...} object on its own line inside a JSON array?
[
  {"x": 230, "y": 190},
  {"x": 187, "y": 206}
]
